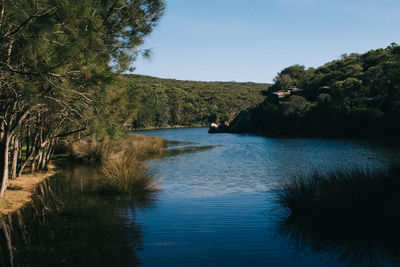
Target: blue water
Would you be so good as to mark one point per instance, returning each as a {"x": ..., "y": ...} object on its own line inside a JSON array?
[{"x": 217, "y": 206}]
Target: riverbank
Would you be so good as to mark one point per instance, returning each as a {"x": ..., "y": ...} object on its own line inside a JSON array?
[
  {"x": 20, "y": 191},
  {"x": 132, "y": 148},
  {"x": 170, "y": 127}
]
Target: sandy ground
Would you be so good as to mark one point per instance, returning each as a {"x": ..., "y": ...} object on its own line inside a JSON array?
[{"x": 19, "y": 192}]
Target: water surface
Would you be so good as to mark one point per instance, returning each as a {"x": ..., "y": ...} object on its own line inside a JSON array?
[{"x": 216, "y": 207}]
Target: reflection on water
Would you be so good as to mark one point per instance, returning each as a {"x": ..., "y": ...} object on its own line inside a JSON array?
[
  {"x": 67, "y": 224},
  {"x": 252, "y": 164},
  {"x": 182, "y": 150},
  {"x": 348, "y": 246},
  {"x": 221, "y": 200},
  {"x": 354, "y": 216},
  {"x": 216, "y": 207}
]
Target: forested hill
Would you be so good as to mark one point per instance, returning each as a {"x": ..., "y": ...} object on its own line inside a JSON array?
[
  {"x": 169, "y": 102},
  {"x": 356, "y": 95}
]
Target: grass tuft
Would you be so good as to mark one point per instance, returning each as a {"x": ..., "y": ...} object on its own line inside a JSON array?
[
  {"x": 142, "y": 146},
  {"x": 90, "y": 151},
  {"x": 95, "y": 151},
  {"x": 355, "y": 213},
  {"x": 352, "y": 193},
  {"x": 126, "y": 175},
  {"x": 122, "y": 170}
]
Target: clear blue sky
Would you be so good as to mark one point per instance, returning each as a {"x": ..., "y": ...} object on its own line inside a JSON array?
[{"x": 252, "y": 40}]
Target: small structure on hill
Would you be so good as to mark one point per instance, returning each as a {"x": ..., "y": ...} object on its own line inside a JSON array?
[{"x": 290, "y": 91}]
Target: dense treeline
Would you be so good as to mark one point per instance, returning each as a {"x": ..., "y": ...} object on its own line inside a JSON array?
[
  {"x": 169, "y": 102},
  {"x": 357, "y": 95},
  {"x": 60, "y": 65}
]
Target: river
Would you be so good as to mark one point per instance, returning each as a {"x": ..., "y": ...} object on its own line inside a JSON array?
[{"x": 216, "y": 208}]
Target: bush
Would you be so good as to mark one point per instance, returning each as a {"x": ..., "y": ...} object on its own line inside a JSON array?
[{"x": 126, "y": 175}]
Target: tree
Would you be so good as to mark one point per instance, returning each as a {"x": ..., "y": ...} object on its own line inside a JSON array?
[
  {"x": 290, "y": 76},
  {"x": 56, "y": 56}
]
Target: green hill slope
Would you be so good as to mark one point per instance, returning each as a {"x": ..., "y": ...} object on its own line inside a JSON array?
[
  {"x": 169, "y": 102},
  {"x": 357, "y": 95}
]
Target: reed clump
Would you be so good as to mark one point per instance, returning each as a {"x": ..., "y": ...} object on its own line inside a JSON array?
[
  {"x": 93, "y": 151},
  {"x": 354, "y": 213},
  {"x": 122, "y": 170},
  {"x": 349, "y": 193},
  {"x": 127, "y": 175},
  {"x": 142, "y": 146},
  {"x": 89, "y": 150}
]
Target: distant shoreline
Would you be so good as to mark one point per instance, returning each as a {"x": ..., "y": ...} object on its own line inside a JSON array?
[{"x": 168, "y": 127}]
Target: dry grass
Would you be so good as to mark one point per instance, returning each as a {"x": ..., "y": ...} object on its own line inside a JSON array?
[
  {"x": 126, "y": 175},
  {"x": 89, "y": 150},
  {"x": 123, "y": 172},
  {"x": 142, "y": 146},
  {"x": 20, "y": 191},
  {"x": 122, "y": 169},
  {"x": 94, "y": 151}
]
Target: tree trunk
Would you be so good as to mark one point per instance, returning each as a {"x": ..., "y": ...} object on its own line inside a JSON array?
[
  {"x": 4, "y": 162},
  {"x": 1, "y": 130},
  {"x": 20, "y": 151},
  {"x": 5, "y": 241},
  {"x": 43, "y": 164},
  {"x": 23, "y": 165},
  {"x": 31, "y": 148},
  {"x": 39, "y": 161},
  {"x": 33, "y": 168},
  {"x": 14, "y": 162},
  {"x": 50, "y": 153},
  {"x": 28, "y": 136}
]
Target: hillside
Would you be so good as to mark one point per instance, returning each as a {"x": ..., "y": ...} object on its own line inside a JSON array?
[
  {"x": 356, "y": 95},
  {"x": 169, "y": 102}
]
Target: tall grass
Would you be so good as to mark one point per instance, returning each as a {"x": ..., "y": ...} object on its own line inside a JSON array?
[
  {"x": 122, "y": 170},
  {"x": 89, "y": 150},
  {"x": 126, "y": 175},
  {"x": 352, "y": 192},
  {"x": 142, "y": 146},
  {"x": 354, "y": 213}
]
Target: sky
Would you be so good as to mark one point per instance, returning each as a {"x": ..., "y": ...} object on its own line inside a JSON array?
[{"x": 253, "y": 40}]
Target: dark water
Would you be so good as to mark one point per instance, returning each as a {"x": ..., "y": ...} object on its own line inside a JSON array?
[{"x": 216, "y": 208}]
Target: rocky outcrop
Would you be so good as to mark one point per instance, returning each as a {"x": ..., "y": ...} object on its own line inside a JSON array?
[
  {"x": 241, "y": 124},
  {"x": 215, "y": 128}
]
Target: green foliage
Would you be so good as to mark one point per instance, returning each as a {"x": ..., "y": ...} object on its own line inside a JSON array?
[
  {"x": 59, "y": 69},
  {"x": 169, "y": 102},
  {"x": 296, "y": 105},
  {"x": 355, "y": 95},
  {"x": 290, "y": 76}
]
